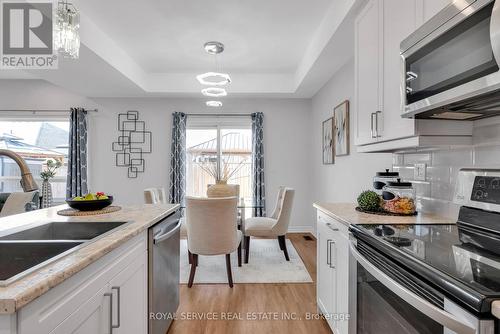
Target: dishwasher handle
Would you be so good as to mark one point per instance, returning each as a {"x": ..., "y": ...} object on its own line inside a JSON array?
[{"x": 165, "y": 236}]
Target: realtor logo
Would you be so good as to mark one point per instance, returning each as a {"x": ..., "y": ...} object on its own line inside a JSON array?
[{"x": 27, "y": 35}]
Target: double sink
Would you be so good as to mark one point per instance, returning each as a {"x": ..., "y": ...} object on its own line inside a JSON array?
[{"x": 23, "y": 252}]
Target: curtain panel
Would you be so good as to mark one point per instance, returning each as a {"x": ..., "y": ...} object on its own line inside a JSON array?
[
  {"x": 76, "y": 184},
  {"x": 259, "y": 189},
  {"x": 177, "y": 190}
]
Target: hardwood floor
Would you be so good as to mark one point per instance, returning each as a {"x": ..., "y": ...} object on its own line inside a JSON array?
[{"x": 252, "y": 308}]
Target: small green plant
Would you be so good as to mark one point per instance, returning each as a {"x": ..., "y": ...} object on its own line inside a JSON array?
[
  {"x": 369, "y": 200},
  {"x": 52, "y": 167}
]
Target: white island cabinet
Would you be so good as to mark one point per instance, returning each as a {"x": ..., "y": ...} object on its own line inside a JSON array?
[
  {"x": 333, "y": 272},
  {"x": 110, "y": 292}
]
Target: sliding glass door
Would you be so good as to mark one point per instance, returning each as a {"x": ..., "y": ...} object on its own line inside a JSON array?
[{"x": 218, "y": 149}]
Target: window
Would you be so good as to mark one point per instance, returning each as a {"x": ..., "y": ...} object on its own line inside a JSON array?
[
  {"x": 218, "y": 147},
  {"x": 36, "y": 141}
]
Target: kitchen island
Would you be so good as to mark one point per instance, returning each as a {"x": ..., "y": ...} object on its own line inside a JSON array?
[{"x": 74, "y": 292}]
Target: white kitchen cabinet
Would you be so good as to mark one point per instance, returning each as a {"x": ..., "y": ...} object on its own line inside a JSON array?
[
  {"x": 368, "y": 71},
  {"x": 82, "y": 304},
  {"x": 333, "y": 272}
]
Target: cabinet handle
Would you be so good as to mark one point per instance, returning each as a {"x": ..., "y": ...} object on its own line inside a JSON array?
[
  {"x": 118, "y": 295},
  {"x": 376, "y": 124},
  {"x": 332, "y": 228},
  {"x": 409, "y": 90},
  {"x": 110, "y": 295},
  {"x": 372, "y": 132},
  {"x": 330, "y": 253},
  {"x": 328, "y": 259}
]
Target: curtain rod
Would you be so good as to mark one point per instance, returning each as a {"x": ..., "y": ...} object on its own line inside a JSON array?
[
  {"x": 226, "y": 115},
  {"x": 34, "y": 111}
]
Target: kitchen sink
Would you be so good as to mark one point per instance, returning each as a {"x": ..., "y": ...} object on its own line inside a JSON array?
[
  {"x": 64, "y": 231},
  {"x": 25, "y": 251},
  {"x": 20, "y": 256}
]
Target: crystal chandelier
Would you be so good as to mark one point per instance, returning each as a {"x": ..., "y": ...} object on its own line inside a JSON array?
[{"x": 66, "y": 31}]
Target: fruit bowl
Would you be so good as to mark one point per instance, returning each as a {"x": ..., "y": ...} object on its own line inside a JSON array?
[{"x": 90, "y": 205}]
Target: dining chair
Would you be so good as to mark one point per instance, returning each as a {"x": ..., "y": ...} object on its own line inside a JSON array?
[
  {"x": 157, "y": 196},
  {"x": 211, "y": 230},
  {"x": 275, "y": 226},
  {"x": 235, "y": 188}
]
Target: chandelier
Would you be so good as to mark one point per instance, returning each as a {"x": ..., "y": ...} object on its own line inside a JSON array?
[
  {"x": 66, "y": 31},
  {"x": 214, "y": 79}
]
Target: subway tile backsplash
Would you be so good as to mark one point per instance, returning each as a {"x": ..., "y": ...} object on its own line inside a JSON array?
[{"x": 435, "y": 194}]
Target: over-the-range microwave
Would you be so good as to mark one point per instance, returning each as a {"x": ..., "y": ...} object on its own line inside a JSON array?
[{"x": 450, "y": 65}]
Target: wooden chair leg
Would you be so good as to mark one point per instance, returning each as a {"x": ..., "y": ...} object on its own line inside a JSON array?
[
  {"x": 239, "y": 254},
  {"x": 190, "y": 256},
  {"x": 282, "y": 241},
  {"x": 247, "y": 248},
  {"x": 194, "y": 263},
  {"x": 229, "y": 273}
]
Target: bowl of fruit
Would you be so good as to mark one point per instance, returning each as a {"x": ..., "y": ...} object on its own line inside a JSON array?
[{"x": 90, "y": 202}]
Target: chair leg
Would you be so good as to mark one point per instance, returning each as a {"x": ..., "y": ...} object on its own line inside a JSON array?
[
  {"x": 229, "y": 273},
  {"x": 282, "y": 241},
  {"x": 247, "y": 248},
  {"x": 239, "y": 254},
  {"x": 190, "y": 256},
  {"x": 194, "y": 263}
]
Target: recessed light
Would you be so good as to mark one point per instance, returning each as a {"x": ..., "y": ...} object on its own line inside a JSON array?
[
  {"x": 214, "y": 79},
  {"x": 215, "y": 104},
  {"x": 214, "y": 92}
]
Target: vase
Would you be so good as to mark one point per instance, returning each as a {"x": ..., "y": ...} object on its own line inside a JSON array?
[
  {"x": 221, "y": 189},
  {"x": 46, "y": 194}
]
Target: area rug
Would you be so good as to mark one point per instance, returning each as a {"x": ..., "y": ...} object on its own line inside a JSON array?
[{"x": 267, "y": 264}]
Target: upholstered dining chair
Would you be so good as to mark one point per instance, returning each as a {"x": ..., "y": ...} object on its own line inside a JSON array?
[
  {"x": 211, "y": 230},
  {"x": 157, "y": 196},
  {"x": 274, "y": 226}
]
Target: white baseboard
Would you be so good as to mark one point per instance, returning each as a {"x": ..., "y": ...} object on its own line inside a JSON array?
[{"x": 301, "y": 229}]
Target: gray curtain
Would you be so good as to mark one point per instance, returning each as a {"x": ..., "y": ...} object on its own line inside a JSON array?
[
  {"x": 77, "y": 154},
  {"x": 259, "y": 189},
  {"x": 178, "y": 159}
]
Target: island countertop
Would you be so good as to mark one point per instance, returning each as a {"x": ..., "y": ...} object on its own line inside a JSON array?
[
  {"x": 346, "y": 213},
  {"x": 21, "y": 292}
]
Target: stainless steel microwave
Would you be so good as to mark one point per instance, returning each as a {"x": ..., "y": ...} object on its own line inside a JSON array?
[{"x": 450, "y": 65}]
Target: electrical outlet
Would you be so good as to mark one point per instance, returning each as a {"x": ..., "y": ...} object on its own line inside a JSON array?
[{"x": 420, "y": 172}]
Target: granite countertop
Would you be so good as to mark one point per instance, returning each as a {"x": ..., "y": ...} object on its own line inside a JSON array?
[
  {"x": 347, "y": 214},
  {"x": 21, "y": 292}
]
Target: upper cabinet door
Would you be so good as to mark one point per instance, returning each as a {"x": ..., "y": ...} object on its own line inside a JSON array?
[
  {"x": 399, "y": 20},
  {"x": 367, "y": 71}
]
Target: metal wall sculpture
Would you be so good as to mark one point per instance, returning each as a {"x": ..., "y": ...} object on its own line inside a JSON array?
[{"x": 133, "y": 142}]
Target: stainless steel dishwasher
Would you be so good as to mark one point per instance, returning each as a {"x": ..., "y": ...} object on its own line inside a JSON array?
[{"x": 163, "y": 287}]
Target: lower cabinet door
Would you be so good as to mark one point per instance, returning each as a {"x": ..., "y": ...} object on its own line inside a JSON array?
[
  {"x": 129, "y": 294},
  {"x": 342, "y": 282},
  {"x": 325, "y": 273},
  {"x": 92, "y": 317}
]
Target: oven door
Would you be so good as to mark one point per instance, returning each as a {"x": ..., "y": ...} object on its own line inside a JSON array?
[
  {"x": 391, "y": 300},
  {"x": 453, "y": 63}
]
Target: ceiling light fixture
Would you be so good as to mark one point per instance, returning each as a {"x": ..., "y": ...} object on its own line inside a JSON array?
[
  {"x": 213, "y": 47},
  {"x": 214, "y": 79},
  {"x": 215, "y": 104},
  {"x": 67, "y": 30},
  {"x": 214, "y": 92}
]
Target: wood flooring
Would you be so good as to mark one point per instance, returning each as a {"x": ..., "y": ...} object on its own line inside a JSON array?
[{"x": 253, "y": 308}]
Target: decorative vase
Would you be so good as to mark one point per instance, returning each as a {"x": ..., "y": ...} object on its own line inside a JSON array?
[
  {"x": 46, "y": 194},
  {"x": 221, "y": 189}
]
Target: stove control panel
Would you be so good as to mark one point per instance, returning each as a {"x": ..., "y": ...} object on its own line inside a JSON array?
[{"x": 479, "y": 188}]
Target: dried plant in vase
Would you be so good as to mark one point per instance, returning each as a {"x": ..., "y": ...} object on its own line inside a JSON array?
[
  {"x": 52, "y": 165},
  {"x": 227, "y": 170}
]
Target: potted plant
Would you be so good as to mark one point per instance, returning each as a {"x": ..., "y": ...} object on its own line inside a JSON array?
[
  {"x": 52, "y": 165},
  {"x": 227, "y": 170}
]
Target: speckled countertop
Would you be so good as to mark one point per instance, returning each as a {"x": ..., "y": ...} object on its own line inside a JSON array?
[
  {"x": 347, "y": 214},
  {"x": 23, "y": 291}
]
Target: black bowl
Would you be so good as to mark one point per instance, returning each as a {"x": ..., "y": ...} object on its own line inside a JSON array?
[{"x": 92, "y": 205}]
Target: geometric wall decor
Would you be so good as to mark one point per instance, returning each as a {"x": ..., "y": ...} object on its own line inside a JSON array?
[{"x": 133, "y": 142}]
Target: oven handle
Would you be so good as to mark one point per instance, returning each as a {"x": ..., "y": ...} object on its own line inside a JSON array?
[{"x": 435, "y": 313}]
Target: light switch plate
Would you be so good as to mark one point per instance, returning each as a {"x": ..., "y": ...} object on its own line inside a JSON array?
[{"x": 420, "y": 172}]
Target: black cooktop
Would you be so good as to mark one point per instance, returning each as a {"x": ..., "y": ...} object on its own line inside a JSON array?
[{"x": 463, "y": 271}]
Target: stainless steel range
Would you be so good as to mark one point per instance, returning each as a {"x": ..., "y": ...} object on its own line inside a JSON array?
[{"x": 433, "y": 278}]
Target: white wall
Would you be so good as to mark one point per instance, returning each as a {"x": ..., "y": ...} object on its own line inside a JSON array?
[
  {"x": 286, "y": 135},
  {"x": 343, "y": 181}
]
